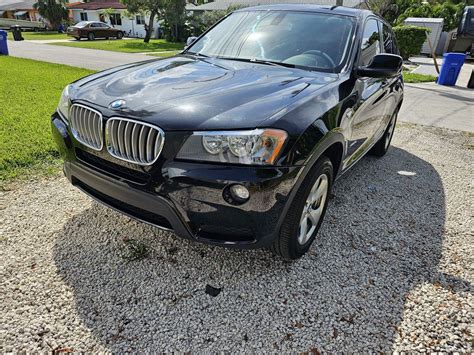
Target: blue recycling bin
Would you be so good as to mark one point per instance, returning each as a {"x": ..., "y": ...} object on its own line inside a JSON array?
[
  {"x": 3, "y": 43},
  {"x": 450, "y": 69}
]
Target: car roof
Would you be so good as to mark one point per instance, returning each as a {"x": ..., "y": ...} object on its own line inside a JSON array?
[{"x": 337, "y": 10}]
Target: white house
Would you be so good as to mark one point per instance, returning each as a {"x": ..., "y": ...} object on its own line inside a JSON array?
[{"x": 133, "y": 26}]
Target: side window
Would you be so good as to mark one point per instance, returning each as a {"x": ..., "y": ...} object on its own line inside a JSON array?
[
  {"x": 388, "y": 40},
  {"x": 370, "y": 42}
]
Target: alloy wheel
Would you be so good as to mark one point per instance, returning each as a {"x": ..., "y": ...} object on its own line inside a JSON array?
[{"x": 313, "y": 209}]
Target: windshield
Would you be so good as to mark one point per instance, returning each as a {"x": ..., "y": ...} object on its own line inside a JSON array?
[
  {"x": 310, "y": 40},
  {"x": 81, "y": 24}
]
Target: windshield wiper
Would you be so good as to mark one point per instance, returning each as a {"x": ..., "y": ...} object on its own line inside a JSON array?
[{"x": 260, "y": 61}]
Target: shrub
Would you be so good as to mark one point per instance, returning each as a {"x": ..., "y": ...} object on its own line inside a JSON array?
[{"x": 410, "y": 39}]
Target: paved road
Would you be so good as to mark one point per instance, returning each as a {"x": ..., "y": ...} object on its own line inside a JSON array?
[
  {"x": 439, "y": 106},
  {"x": 78, "y": 57}
]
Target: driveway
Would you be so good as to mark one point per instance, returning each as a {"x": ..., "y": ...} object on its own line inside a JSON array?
[
  {"x": 391, "y": 269},
  {"x": 77, "y": 57}
]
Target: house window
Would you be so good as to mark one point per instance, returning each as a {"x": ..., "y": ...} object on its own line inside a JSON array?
[
  {"x": 84, "y": 16},
  {"x": 140, "y": 20},
  {"x": 115, "y": 19}
]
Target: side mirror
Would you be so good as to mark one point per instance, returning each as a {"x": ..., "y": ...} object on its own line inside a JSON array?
[
  {"x": 382, "y": 66},
  {"x": 190, "y": 41}
]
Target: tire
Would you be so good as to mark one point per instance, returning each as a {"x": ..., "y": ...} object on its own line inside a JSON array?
[
  {"x": 77, "y": 38},
  {"x": 291, "y": 243},
  {"x": 119, "y": 35},
  {"x": 381, "y": 147},
  {"x": 91, "y": 36}
]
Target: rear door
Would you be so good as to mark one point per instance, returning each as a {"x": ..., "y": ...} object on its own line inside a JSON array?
[
  {"x": 98, "y": 30},
  {"x": 366, "y": 120}
]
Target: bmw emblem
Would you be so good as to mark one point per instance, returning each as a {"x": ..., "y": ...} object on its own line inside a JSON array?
[{"x": 118, "y": 104}]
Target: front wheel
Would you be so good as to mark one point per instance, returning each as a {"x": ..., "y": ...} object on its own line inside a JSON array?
[
  {"x": 381, "y": 147},
  {"x": 306, "y": 212}
]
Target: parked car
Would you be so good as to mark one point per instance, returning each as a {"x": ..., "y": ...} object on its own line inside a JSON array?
[
  {"x": 237, "y": 141},
  {"x": 92, "y": 30},
  {"x": 462, "y": 39}
]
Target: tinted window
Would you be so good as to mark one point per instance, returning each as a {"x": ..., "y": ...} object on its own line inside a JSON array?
[
  {"x": 388, "y": 42},
  {"x": 307, "y": 40},
  {"x": 95, "y": 25},
  {"x": 370, "y": 42}
]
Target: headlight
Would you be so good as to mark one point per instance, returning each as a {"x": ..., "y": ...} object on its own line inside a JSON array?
[
  {"x": 63, "y": 106},
  {"x": 259, "y": 146}
]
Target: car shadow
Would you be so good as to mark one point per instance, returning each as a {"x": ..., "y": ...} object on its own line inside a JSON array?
[{"x": 382, "y": 237}]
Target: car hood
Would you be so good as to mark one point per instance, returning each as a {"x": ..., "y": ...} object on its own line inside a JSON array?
[{"x": 186, "y": 93}]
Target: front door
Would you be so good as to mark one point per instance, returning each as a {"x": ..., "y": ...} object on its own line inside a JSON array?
[{"x": 372, "y": 93}]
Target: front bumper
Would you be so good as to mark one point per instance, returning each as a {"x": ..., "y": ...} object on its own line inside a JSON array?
[{"x": 184, "y": 197}]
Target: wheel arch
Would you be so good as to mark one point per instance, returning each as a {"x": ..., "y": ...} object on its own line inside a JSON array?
[{"x": 331, "y": 145}]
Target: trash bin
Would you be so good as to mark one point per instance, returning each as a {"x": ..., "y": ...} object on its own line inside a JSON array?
[
  {"x": 16, "y": 31},
  {"x": 3, "y": 43},
  {"x": 452, "y": 65}
]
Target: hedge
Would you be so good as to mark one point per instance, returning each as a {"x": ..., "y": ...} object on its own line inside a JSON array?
[{"x": 410, "y": 39}]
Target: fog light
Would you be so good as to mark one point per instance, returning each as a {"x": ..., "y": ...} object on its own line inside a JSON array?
[
  {"x": 236, "y": 194},
  {"x": 239, "y": 192}
]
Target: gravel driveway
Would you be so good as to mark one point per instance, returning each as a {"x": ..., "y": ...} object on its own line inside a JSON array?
[{"x": 392, "y": 269}]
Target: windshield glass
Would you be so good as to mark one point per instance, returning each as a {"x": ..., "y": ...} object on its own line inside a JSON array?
[
  {"x": 81, "y": 24},
  {"x": 310, "y": 40}
]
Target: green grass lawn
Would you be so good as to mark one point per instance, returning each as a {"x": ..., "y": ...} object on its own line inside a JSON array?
[
  {"x": 126, "y": 45},
  {"x": 40, "y": 35},
  {"x": 29, "y": 94},
  {"x": 417, "y": 78}
]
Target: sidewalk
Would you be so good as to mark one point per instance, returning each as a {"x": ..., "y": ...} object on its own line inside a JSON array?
[{"x": 79, "y": 57}]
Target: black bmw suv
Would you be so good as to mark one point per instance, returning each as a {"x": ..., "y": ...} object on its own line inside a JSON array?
[{"x": 237, "y": 140}]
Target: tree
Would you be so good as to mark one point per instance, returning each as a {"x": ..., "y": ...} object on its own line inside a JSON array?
[
  {"x": 172, "y": 11},
  {"x": 201, "y": 22},
  {"x": 175, "y": 18},
  {"x": 52, "y": 10},
  {"x": 450, "y": 12},
  {"x": 151, "y": 7},
  {"x": 381, "y": 7}
]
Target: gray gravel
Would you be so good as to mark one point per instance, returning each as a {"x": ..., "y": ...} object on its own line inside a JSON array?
[{"x": 392, "y": 269}]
